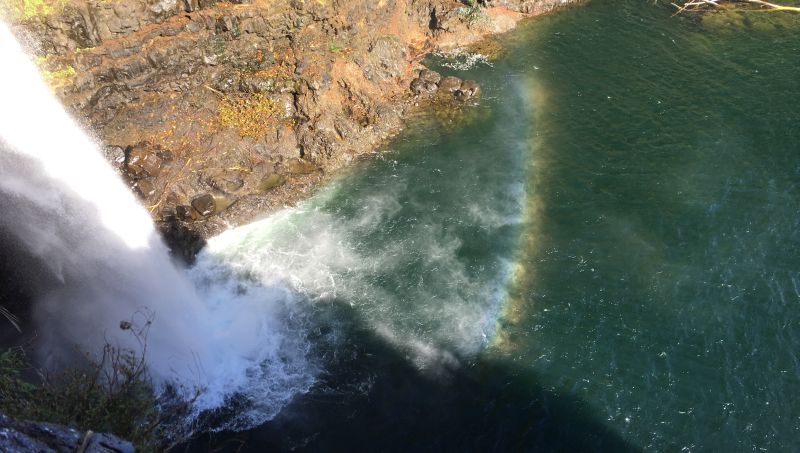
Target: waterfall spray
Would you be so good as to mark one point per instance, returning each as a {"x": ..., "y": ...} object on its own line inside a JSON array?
[{"x": 64, "y": 204}]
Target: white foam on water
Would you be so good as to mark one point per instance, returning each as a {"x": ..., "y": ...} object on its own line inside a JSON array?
[
  {"x": 463, "y": 60},
  {"x": 446, "y": 314}
]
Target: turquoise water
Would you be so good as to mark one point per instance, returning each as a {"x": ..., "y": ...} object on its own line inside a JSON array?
[{"x": 603, "y": 255}]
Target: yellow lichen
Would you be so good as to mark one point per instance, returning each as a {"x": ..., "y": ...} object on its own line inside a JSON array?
[
  {"x": 60, "y": 77},
  {"x": 252, "y": 116},
  {"x": 15, "y": 10},
  {"x": 55, "y": 72}
]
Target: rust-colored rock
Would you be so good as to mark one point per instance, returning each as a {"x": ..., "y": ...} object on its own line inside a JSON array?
[{"x": 327, "y": 81}]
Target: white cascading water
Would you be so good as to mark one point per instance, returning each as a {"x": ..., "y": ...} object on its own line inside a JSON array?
[{"x": 68, "y": 207}]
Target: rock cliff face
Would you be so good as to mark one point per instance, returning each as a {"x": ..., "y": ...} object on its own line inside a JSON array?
[{"x": 219, "y": 112}]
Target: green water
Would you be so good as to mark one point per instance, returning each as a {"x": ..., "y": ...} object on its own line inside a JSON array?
[{"x": 603, "y": 255}]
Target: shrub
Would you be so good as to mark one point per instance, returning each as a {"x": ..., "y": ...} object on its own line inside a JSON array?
[{"x": 112, "y": 393}]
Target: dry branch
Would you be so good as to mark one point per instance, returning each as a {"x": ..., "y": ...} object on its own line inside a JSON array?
[{"x": 701, "y": 5}]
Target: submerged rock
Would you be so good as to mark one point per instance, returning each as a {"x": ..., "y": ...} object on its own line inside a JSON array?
[{"x": 469, "y": 89}]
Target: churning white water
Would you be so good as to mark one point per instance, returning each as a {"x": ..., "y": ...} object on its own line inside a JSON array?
[{"x": 66, "y": 205}]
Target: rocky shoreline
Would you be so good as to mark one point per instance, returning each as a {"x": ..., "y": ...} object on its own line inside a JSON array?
[{"x": 218, "y": 113}]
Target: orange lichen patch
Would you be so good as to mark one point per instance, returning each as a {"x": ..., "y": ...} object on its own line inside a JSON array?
[{"x": 252, "y": 116}]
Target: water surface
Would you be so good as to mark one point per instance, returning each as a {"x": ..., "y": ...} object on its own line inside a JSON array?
[{"x": 601, "y": 256}]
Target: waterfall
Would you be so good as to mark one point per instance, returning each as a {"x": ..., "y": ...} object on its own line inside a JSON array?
[{"x": 64, "y": 204}]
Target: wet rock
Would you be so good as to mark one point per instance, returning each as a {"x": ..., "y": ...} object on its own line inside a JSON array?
[
  {"x": 115, "y": 155},
  {"x": 223, "y": 203},
  {"x": 183, "y": 242},
  {"x": 300, "y": 167},
  {"x": 233, "y": 185},
  {"x": 468, "y": 90},
  {"x": 186, "y": 213},
  {"x": 270, "y": 182},
  {"x": 421, "y": 87},
  {"x": 426, "y": 75},
  {"x": 143, "y": 162},
  {"x": 145, "y": 188},
  {"x": 205, "y": 204},
  {"x": 450, "y": 84},
  {"x": 35, "y": 437}
]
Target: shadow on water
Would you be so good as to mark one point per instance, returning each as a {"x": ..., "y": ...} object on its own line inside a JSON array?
[{"x": 372, "y": 398}]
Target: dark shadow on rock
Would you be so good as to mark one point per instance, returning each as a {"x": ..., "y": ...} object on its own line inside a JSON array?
[
  {"x": 373, "y": 399},
  {"x": 22, "y": 276},
  {"x": 183, "y": 242}
]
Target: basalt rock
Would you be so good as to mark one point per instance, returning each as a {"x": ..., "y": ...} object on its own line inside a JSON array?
[
  {"x": 271, "y": 181},
  {"x": 300, "y": 167},
  {"x": 450, "y": 84},
  {"x": 468, "y": 89},
  {"x": 421, "y": 87},
  {"x": 116, "y": 156},
  {"x": 205, "y": 204},
  {"x": 240, "y": 92},
  {"x": 36, "y": 437},
  {"x": 143, "y": 161},
  {"x": 426, "y": 83}
]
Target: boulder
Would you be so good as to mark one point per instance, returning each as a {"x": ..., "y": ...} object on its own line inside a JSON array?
[
  {"x": 470, "y": 88},
  {"x": 143, "y": 162},
  {"x": 114, "y": 155},
  {"x": 205, "y": 204},
  {"x": 426, "y": 75},
  {"x": 422, "y": 87},
  {"x": 145, "y": 187},
  {"x": 449, "y": 84},
  {"x": 271, "y": 181},
  {"x": 185, "y": 213}
]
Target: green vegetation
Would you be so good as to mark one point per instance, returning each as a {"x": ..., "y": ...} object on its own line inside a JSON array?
[
  {"x": 55, "y": 72},
  {"x": 472, "y": 13},
  {"x": 28, "y": 9},
  {"x": 113, "y": 393},
  {"x": 60, "y": 77}
]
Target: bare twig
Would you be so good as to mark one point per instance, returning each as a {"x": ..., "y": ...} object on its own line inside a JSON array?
[
  {"x": 220, "y": 93},
  {"x": 10, "y": 317},
  {"x": 774, "y": 6},
  {"x": 698, "y": 5}
]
